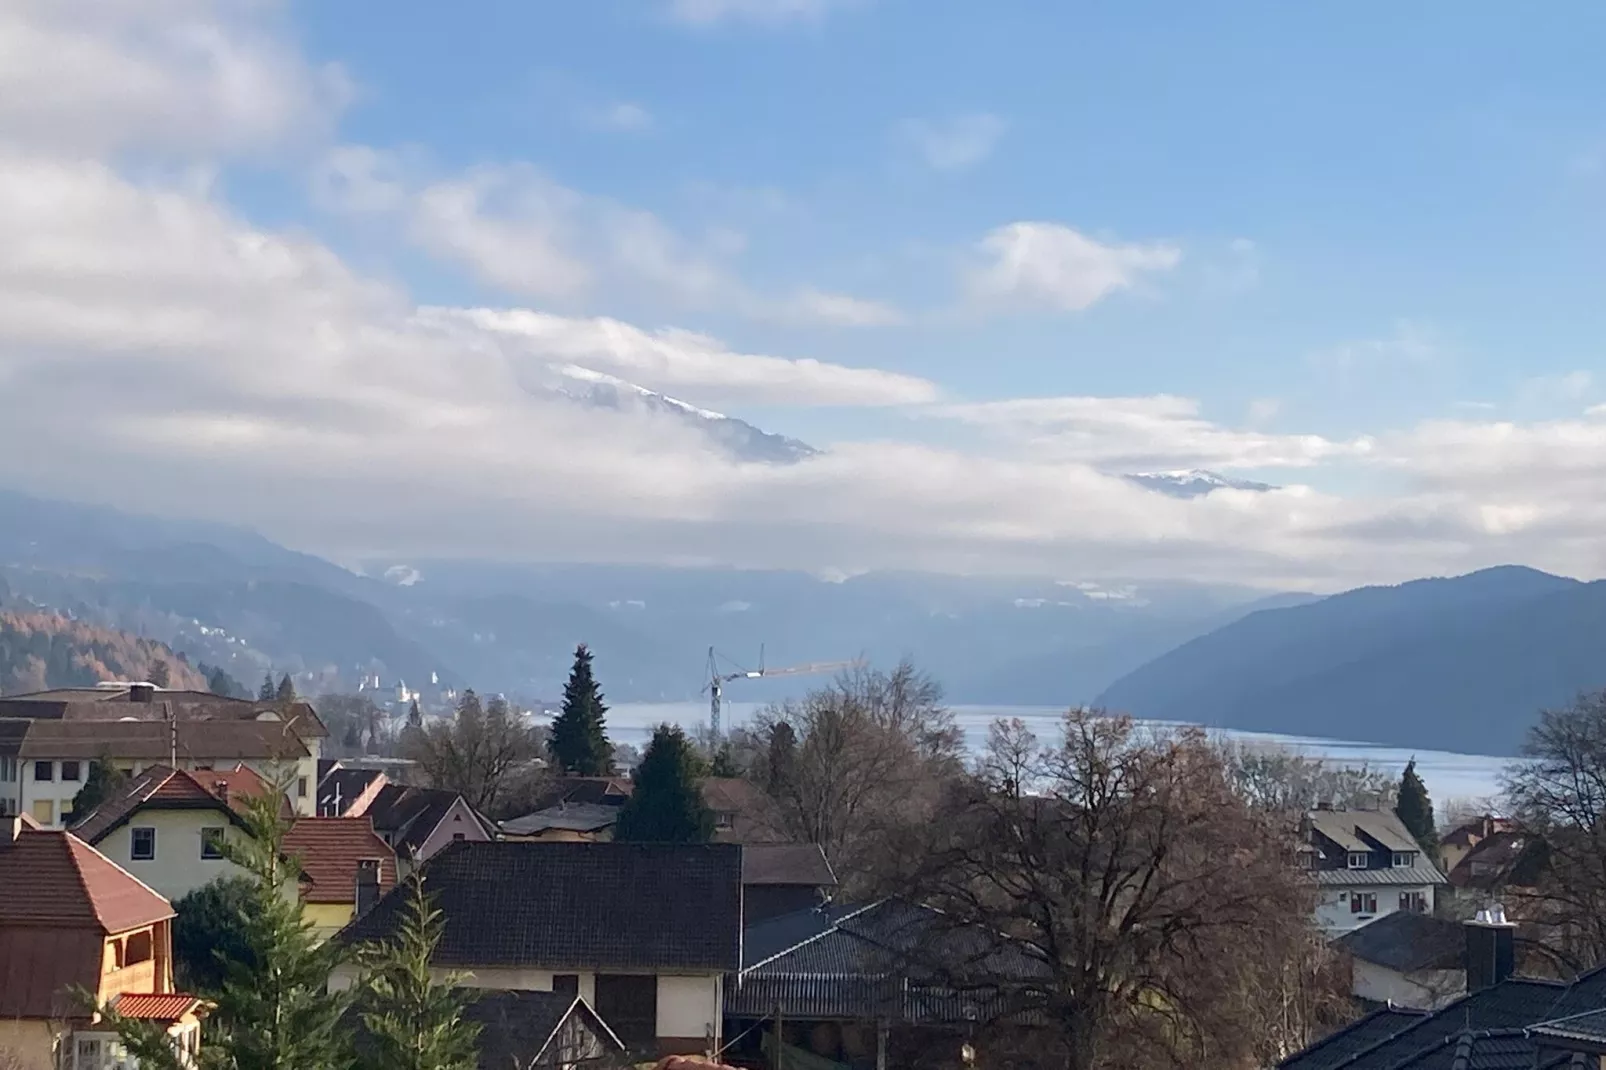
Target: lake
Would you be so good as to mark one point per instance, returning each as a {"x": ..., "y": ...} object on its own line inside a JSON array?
[{"x": 1448, "y": 775}]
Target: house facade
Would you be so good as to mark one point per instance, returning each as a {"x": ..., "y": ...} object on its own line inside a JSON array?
[
  {"x": 1365, "y": 865},
  {"x": 72, "y": 920},
  {"x": 51, "y": 738},
  {"x": 1406, "y": 959},
  {"x": 346, "y": 866},
  {"x": 644, "y": 933},
  {"x": 165, "y": 825},
  {"x": 418, "y": 822}
]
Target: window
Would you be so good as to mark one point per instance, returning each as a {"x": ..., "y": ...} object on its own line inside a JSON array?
[
  {"x": 301, "y": 787},
  {"x": 44, "y": 771},
  {"x": 629, "y": 1003},
  {"x": 1363, "y": 903},
  {"x": 724, "y": 821},
  {"x": 1414, "y": 901},
  {"x": 566, "y": 984},
  {"x": 144, "y": 848},
  {"x": 71, "y": 771},
  {"x": 210, "y": 838},
  {"x": 8, "y": 767},
  {"x": 140, "y": 947},
  {"x": 459, "y": 836},
  {"x": 1404, "y": 859},
  {"x": 44, "y": 811},
  {"x": 1357, "y": 860},
  {"x": 64, "y": 808}
]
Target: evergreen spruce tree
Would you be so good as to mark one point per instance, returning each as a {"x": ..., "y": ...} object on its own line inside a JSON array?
[
  {"x": 724, "y": 763},
  {"x": 286, "y": 691},
  {"x": 1415, "y": 811},
  {"x": 104, "y": 781},
  {"x": 274, "y": 1010},
  {"x": 415, "y": 718},
  {"x": 780, "y": 758},
  {"x": 579, "y": 737},
  {"x": 666, "y": 805},
  {"x": 413, "y": 1021},
  {"x": 161, "y": 673},
  {"x": 267, "y": 691},
  {"x": 219, "y": 682}
]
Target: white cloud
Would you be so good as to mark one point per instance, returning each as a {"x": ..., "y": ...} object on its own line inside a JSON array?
[
  {"x": 764, "y": 12},
  {"x": 681, "y": 360},
  {"x": 1408, "y": 344},
  {"x": 189, "y": 76},
  {"x": 1052, "y": 265},
  {"x": 1563, "y": 388},
  {"x": 1263, "y": 410},
  {"x": 841, "y": 310},
  {"x": 954, "y": 143},
  {"x": 624, "y": 117},
  {"x": 1137, "y": 434}
]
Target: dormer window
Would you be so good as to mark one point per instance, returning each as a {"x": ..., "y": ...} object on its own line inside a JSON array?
[
  {"x": 1404, "y": 859},
  {"x": 1357, "y": 860}
]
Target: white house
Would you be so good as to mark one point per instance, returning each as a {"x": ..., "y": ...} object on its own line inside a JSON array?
[
  {"x": 1407, "y": 959},
  {"x": 1366, "y": 865}
]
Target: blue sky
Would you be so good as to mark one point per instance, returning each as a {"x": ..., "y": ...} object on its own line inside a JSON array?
[
  {"x": 1444, "y": 174},
  {"x": 342, "y": 265}
]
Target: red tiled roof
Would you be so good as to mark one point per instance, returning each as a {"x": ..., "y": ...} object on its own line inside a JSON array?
[
  {"x": 54, "y": 878},
  {"x": 41, "y": 965},
  {"x": 168, "y": 1007},
  {"x": 329, "y": 849},
  {"x": 197, "y": 740}
]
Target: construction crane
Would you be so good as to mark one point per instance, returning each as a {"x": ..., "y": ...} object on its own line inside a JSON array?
[{"x": 717, "y": 680}]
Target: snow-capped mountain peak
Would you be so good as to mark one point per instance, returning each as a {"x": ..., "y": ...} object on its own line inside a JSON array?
[{"x": 1192, "y": 482}]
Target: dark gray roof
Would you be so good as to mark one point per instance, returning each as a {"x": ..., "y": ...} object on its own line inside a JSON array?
[
  {"x": 1494, "y": 1024},
  {"x": 1346, "y": 878},
  {"x": 893, "y": 960},
  {"x": 569, "y": 817},
  {"x": 12, "y": 731},
  {"x": 406, "y": 815},
  {"x": 1341, "y": 1045},
  {"x": 579, "y": 906},
  {"x": 1407, "y": 941},
  {"x": 787, "y": 863},
  {"x": 1588, "y": 1027},
  {"x": 344, "y": 785},
  {"x": 765, "y": 939},
  {"x": 516, "y": 1027}
]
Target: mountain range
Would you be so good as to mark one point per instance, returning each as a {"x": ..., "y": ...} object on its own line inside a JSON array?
[{"x": 1456, "y": 664}]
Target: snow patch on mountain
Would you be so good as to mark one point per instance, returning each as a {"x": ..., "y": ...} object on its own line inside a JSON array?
[
  {"x": 1192, "y": 483},
  {"x": 737, "y": 438}
]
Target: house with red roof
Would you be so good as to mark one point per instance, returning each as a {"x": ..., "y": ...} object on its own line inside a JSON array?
[
  {"x": 71, "y": 921},
  {"x": 165, "y": 825},
  {"x": 346, "y": 868}
]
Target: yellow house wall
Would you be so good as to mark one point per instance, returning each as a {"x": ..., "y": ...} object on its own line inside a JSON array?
[
  {"x": 30, "y": 1040},
  {"x": 326, "y": 919}
]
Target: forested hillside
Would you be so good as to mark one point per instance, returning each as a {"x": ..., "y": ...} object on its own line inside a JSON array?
[{"x": 40, "y": 650}]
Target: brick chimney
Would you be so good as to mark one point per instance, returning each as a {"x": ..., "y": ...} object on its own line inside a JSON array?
[
  {"x": 367, "y": 885},
  {"x": 1491, "y": 948}
]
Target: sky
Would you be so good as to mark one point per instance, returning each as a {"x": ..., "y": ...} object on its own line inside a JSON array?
[{"x": 310, "y": 267}]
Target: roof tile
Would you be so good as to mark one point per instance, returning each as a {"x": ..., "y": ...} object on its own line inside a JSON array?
[{"x": 330, "y": 850}]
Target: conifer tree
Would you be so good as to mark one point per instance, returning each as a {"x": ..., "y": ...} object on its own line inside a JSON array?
[
  {"x": 266, "y": 692},
  {"x": 274, "y": 1010},
  {"x": 666, "y": 805},
  {"x": 161, "y": 674},
  {"x": 579, "y": 738},
  {"x": 415, "y": 718},
  {"x": 286, "y": 691},
  {"x": 1415, "y": 811},
  {"x": 412, "y": 1020},
  {"x": 104, "y": 781}
]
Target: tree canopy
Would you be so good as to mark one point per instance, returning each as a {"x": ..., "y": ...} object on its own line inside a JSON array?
[
  {"x": 666, "y": 805},
  {"x": 579, "y": 740},
  {"x": 1415, "y": 811},
  {"x": 103, "y": 781}
]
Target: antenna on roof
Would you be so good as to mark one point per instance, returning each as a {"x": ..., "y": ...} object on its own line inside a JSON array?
[{"x": 172, "y": 735}]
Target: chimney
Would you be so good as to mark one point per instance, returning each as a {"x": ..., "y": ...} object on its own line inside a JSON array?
[
  {"x": 367, "y": 885},
  {"x": 220, "y": 788},
  {"x": 1491, "y": 952},
  {"x": 141, "y": 692}
]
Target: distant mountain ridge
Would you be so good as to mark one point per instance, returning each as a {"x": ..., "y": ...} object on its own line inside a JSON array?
[
  {"x": 1459, "y": 664},
  {"x": 1193, "y": 483},
  {"x": 41, "y": 650}
]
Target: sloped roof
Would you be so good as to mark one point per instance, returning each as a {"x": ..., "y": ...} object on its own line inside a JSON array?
[
  {"x": 1363, "y": 830},
  {"x": 41, "y": 965},
  {"x": 1492, "y": 1025},
  {"x": 597, "y": 790},
  {"x": 894, "y": 960},
  {"x": 160, "y": 787},
  {"x": 1345, "y": 878},
  {"x": 54, "y": 878},
  {"x": 408, "y": 815},
  {"x": 579, "y": 905},
  {"x": 163, "y": 1007},
  {"x": 569, "y": 817},
  {"x": 340, "y": 787},
  {"x": 787, "y": 863},
  {"x": 330, "y": 849},
  {"x": 197, "y": 740},
  {"x": 1406, "y": 941},
  {"x": 517, "y": 1027},
  {"x": 1342, "y": 1045}
]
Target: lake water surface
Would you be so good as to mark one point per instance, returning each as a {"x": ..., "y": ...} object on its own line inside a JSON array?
[{"x": 1448, "y": 775}]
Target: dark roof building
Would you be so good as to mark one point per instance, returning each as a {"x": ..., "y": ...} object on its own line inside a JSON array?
[
  {"x": 524, "y": 1030},
  {"x": 147, "y": 702},
  {"x": 417, "y": 822},
  {"x": 1500, "y": 1024},
  {"x": 142, "y": 740},
  {"x": 342, "y": 789},
  {"x": 783, "y": 878},
  {"x": 589, "y": 906}
]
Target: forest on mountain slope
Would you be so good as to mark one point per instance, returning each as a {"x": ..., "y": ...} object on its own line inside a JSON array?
[{"x": 40, "y": 649}]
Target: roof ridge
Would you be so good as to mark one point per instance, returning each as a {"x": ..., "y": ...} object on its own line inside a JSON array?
[{"x": 1387, "y": 1008}]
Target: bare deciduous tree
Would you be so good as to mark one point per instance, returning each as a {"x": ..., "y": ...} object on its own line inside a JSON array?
[
  {"x": 480, "y": 751},
  {"x": 849, "y": 759},
  {"x": 1172, "y": 924},
  {"x": 1558, "y": 797},
  {"x": 1274, "y": 778}
]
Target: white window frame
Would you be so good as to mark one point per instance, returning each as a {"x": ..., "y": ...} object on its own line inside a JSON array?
[
  {"x": 207, "y": 840},
  {"x": 1358, "y": 859},
  {"x": 1404, "y": 859},
  {"x": 133, "y": 844},
  {"x": 8, "y": 768}
]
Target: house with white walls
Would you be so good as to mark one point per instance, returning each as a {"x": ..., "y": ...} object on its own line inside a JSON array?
[{"x": 1365, "y": 865}]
